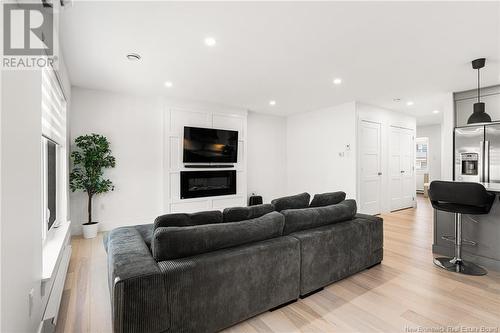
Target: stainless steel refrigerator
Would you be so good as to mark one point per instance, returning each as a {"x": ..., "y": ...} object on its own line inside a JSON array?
[{"x": 477, "y": 153}]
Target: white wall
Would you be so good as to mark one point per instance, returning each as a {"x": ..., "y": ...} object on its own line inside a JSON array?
[
  {"x": 20, "y": 196},
  {"x": 21, "y": 220},
  {"x": 266, "y": 160},
  {"x": 433, "y": 133},
  {"x": 133, "y": 125},
  {"x": 317, "y": 156}
]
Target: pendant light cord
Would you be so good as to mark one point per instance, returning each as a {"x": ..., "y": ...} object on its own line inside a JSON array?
[{"x": 478, "y": 86}]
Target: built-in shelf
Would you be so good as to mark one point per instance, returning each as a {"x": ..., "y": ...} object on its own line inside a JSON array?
[{"x": 53, "y": 249}]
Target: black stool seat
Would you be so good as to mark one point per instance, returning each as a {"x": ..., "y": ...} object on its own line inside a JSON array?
[{"x": 460, "y": 198}]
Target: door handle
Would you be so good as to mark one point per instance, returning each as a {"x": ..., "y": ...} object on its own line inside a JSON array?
[
  {"x": 379, "y": 173},
  {"x": 402, "y": 171}
]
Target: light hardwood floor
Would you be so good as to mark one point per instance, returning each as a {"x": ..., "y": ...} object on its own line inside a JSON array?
[{"x": 403, "y": 293}]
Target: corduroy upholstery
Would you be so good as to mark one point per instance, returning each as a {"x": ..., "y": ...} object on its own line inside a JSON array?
[
  {"x": 332, "y": 252},
  {"x": 179, "y": 242},
  {"x": 235, "y": 214},
  {"x": 210, "y": 291},
  {"x": 213, "y": 291},
  {"x": 203, "y": 293},
  {"x": 327, "y": 199},
  {"x": 136, "y": 284},
  {"x": 185, "y": 220},
  {"x": 307, "y": 218},
  {"x": 292, "y": 202}
]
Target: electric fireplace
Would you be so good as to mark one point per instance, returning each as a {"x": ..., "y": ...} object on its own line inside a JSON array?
[{"x": 197, "y": 184}]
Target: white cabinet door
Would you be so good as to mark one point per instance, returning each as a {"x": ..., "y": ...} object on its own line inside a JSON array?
[
  {"x": 370, "y": 167},
  {"x": 401, "y": 168}
]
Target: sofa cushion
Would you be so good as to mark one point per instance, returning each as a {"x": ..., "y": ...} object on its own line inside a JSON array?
[
  {"x": 184, "y": 220},
  {"x": 180, "y": 242},
  {"x": 292, "y": 202},
  {"x": 327, "y": 199},
  {"x": 307, "y": 218},
  {"x": 235, "y": 214}
]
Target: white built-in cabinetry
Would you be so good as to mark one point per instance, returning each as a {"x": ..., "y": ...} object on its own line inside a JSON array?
[
  {"x": 55, "y": 261},
  {"x": 175, "y": 119}
]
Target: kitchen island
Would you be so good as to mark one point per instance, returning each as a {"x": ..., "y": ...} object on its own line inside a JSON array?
[{"x": 483, "y": 229}]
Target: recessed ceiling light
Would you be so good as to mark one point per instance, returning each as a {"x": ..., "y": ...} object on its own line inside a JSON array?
[
  {"x": 168, "y": 84},
  {"x": 409, "y": 103},
  {"x": 272, "y": 103},
  {"x": 435, "y": 111},
  {"x": 337, "y": 81},
  {"x": 210, "y": 41},
  {"x": 133, "y": 56}
]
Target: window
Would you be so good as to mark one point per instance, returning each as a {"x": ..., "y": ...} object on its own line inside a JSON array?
[
  {"x": 54, "y": 160},
  {"x": 422, "y": 154},
  {"x": 50, "y": 159}
]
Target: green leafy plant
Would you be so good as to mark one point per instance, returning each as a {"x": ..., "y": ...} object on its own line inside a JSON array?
[{"x": 91, "y": 156}]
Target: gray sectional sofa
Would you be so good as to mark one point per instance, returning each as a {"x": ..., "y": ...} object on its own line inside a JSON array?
[{"x": 207, "y": 271}]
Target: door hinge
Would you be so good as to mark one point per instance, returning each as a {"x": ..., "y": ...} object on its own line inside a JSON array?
[{"x": 413, "y": 198}]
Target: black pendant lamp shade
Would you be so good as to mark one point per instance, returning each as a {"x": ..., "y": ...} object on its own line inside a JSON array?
[{"x": 479, "y": 115}]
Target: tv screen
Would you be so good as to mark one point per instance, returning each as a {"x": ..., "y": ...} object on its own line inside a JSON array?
[{"x": 204, "y": 145}]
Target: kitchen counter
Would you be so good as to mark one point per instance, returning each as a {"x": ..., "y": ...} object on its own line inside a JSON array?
[
  {"x": 491, "y": 187},
  {"x": 486, "y": 232}
]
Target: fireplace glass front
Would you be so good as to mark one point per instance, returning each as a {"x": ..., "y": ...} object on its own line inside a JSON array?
[{"x": 197, "y": 184}]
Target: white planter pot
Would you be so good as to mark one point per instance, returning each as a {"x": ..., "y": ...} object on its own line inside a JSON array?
[{"x": 90, "y": 230}]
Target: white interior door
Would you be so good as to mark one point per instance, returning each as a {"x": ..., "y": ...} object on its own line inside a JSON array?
[
  {"x": 370, "y": 167},
  {"x": 401, "y": 168},
  {"x": 407, "y": 145}
]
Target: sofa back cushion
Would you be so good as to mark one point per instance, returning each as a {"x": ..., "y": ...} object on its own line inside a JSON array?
[
  {"x": 236, "y": 214},
  {"x": 185, "y": 220},
  {"x": 292, "y": 202},
  {"x": 308, "y": 218},
  {"x": 180, "y": 242},
  {"x": 327, "y": 199}
]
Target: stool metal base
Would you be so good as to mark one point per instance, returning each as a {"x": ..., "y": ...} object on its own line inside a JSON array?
[{"x": 459, "y": 266}]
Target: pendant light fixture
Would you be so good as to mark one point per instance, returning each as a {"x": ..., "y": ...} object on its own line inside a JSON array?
[{"x": 479, "y": 115}]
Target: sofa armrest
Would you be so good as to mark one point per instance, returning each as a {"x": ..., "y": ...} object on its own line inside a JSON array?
[
  {"x": 369, "y": 217},
  {"x": 136, "y": 284},
  {"x": 376, "y": 229}
]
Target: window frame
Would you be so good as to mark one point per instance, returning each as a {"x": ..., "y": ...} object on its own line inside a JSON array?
[{"x": 422, "y": 141}]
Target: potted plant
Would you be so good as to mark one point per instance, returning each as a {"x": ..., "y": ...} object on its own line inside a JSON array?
[{"x": 91, "y": 156}]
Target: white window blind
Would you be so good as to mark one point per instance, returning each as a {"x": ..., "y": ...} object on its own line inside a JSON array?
[
  {"x": 54, "y": 153},
  {"x": 53, "y": 108}
]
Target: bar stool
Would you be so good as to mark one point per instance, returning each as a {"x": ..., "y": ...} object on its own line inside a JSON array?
[{"x": 460, "y": 198}]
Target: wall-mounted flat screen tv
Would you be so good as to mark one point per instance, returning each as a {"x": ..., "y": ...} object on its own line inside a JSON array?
[{"x": 205, "y": 145}]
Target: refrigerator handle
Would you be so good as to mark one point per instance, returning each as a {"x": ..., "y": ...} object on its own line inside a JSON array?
[
  {"x": 486, "y": 161},
  {"x": 481, "y": 160}
]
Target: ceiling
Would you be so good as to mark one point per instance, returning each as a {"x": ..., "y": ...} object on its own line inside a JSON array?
[{"x": 285, "y": 51}]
